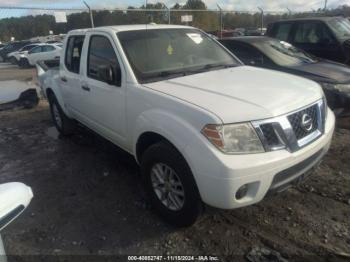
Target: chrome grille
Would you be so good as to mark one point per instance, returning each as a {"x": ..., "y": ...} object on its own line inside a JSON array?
[
  {"x": 292, "y": 131},
  {"x": 296, "y": 120},
  {"x": 270, "y": 135}
]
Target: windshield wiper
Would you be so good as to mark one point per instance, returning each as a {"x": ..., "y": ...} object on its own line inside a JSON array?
[
  {"x": 170, "y": 73},
  {"x": 165, "y": 75},
  {"x": 212, "y": 66}
]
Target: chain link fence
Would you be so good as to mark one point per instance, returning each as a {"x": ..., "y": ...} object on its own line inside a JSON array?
[{"x": 19, "y": 23}]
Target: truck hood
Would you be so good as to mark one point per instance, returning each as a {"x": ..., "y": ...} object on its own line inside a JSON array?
[{"x": 242, "y": 93}]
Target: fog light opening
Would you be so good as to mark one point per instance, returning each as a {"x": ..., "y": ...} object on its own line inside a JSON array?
[{"x": 242, "y": 192}]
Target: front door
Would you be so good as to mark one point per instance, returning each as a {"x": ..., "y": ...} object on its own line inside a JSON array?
[{"x": 103, "y": 101}]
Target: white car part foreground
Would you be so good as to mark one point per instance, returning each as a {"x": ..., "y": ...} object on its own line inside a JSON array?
[{"x": 14, "y": 198}]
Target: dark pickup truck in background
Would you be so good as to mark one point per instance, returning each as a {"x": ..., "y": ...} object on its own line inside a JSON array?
[{"x": 325, "y": 37}]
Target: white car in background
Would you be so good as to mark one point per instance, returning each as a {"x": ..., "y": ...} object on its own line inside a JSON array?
[
  {"x": 15, "y": 56},
  {"x": 41, "y": 52}
]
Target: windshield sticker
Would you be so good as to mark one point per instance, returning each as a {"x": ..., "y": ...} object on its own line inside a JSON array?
[
  {"x": 170, "y": 49},
  {"x": 197, "y": 38}
]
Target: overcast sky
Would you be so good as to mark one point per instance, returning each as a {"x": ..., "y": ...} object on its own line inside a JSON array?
[
  {"x": 271, "y": 5},
  {"x": 238, "y": 5}
]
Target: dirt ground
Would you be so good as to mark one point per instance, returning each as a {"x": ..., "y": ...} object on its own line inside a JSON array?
[
  {"x": 12, "y": 72},
  {"x": 89, "y": 200}
]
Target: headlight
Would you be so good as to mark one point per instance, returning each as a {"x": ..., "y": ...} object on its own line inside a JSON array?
[
  {"x": 343, "y": 88},
  {"x": 234, "y": 138}
]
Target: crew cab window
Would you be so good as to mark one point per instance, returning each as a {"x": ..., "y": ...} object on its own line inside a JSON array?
[
  {"x": 101, "y": 55},
  {"x": 282, "y": 30},
  {"x": 312, "y": 33},
  {"x": 73, "y": 53}
]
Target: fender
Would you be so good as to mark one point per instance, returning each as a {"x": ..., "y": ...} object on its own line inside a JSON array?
[
  {"x": 49, "y": 83},
  {"x": 176, "y": 130}
]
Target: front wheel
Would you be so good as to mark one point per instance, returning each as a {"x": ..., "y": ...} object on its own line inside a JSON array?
[{"x": 170, "y": 184}]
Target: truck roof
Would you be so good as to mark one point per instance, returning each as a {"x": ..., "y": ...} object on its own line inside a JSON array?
[
  {"x": 120, "y": 28},
  {"x": 327, "y": 18}
]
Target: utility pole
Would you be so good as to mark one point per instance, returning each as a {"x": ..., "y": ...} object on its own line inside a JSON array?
[
  {"x": 168, "y": 9},
  {"x": 289, "y": 12},
  {"x": 91, "y": 16},
  {"x": 220, "y": 20},
  {"x": 325, "y": 5},
  {"x": 262, "y": 19}
]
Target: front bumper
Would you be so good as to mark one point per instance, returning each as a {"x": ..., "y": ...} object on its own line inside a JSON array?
[{"x": 220, "y": 176}]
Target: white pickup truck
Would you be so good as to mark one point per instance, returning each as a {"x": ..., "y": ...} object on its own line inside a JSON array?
[{"x": 202, "y": 126}]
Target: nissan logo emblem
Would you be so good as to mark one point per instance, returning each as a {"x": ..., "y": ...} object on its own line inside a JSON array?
[{"x": 306, "y": 122}]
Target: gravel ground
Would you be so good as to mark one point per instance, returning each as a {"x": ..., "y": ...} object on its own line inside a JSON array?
[
  {"x": 12, "y": 72},
  {"x": 89, "y": 201}
]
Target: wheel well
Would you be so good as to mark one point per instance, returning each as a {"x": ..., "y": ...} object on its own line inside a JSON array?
[{"x": 145, "y": 141}]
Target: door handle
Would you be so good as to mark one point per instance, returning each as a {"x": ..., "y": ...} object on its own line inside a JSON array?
[
  {"x": 86, "y": 88},
  {"x": 63, "y": 79}
]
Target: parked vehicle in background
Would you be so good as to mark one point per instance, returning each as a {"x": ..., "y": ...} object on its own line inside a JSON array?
[
  {"x": 14, "y": 57},
  {"x": 255, "y": 31},
  {"x": 11, "y": 47},
  {"x": 41, "y": 52},
  {"x": 325, "y": 37},
  {"x": 278, "y": 55},
  {"x": 14, "y": 198},
  {"x": 202, "y": 126},
  {"x": 53, "y": 42},
  {"x": 226, "y": 33}
]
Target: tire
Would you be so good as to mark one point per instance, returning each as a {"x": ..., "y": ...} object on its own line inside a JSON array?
[
  {"x": 63, "y": 124},
  {"x": 13, "y": 60},
  {"x": 160, "y": 157},
  {"x": 24, "y": 63}
]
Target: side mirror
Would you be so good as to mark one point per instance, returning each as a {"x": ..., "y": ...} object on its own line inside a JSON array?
[
  {"x": 14, "y": 198},
  {"x": 110, "y": 75}
]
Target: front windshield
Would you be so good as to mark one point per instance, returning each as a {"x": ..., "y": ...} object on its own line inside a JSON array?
[
  {"x": 340, "y": 26},
  {"x": 158, "y": 54},
  {"x": 284, "y": 54}
]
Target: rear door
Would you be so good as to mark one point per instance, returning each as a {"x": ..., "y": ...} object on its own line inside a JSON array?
[
  {"x": 70, "y": 77},
  {"x": 35, "y": 54},
  {"x": 315, "y": 38},
  {"x": 49, "y": 52},
  {"x": 46, "y": 52}
]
